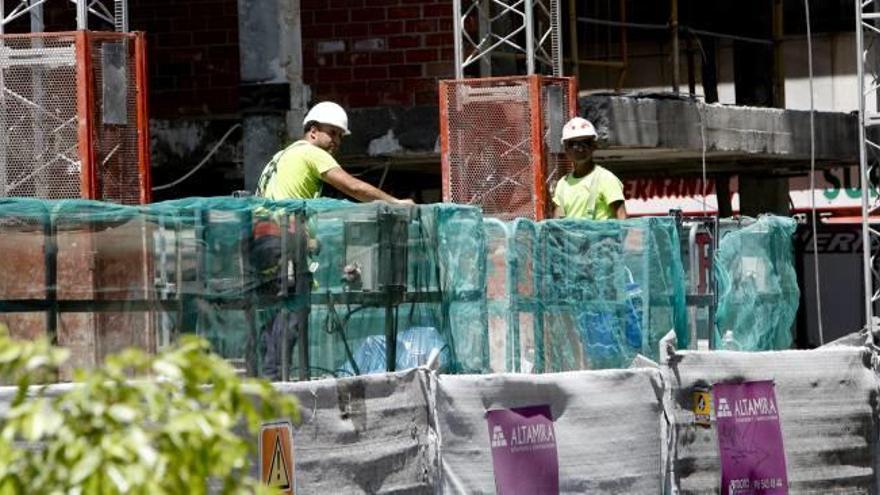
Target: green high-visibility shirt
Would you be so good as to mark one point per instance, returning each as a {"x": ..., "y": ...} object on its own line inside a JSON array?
[
  {"x": 590, "y": 196},
  {"x": 295, "y": 172}
]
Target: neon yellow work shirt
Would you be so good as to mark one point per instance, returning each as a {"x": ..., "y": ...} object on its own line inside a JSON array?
[
  {"x": 295, "y": 172},
  {"x": 589, "y": 196}
]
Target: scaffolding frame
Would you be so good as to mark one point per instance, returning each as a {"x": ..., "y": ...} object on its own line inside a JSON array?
[
  {"x": 111, "y": 12},
  {"x": 868, "y": 65},
  {"x": 529, "y": 29}
]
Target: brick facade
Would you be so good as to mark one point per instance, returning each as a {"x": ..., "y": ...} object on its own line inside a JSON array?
[
  {"x": 365, "y": 53},
  {"x": 361, "y": 53},
  {"x": 192, "y": 52},
  {"x": 193, "y": 55}
]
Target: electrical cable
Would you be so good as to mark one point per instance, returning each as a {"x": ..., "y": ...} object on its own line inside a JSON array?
[
  {"x": 201, "y": 163},
  {"x": 813, "y": 176}
]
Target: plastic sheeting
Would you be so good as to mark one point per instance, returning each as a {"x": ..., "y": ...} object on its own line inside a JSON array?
[
  {"x": 827, "y": 401},
  {"x": 419, "y": 274},
  {"x": 251, "y": 275},
  {"x": 363, "y": 435},
  {"x": 758, "y": 293},
  {"x": 609, "y": 428},
  {"x": 617, "y": 431},
  {"x": 573, "y": 294},
  {"x": 248, "y": 274}
]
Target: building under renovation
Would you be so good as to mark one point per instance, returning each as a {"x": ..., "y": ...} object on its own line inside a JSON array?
[{"x": 452, "y": 345}]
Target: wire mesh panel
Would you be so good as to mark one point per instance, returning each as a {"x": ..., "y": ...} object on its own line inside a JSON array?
[
  {"x": 73, "y": 117},
  {"x": 496, "y": 134},
  {"x": 116, "y": 90},
  {"x": 39, "y": 144}
]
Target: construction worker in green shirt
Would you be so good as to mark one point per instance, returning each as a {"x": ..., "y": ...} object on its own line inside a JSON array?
[
  {"x": 590, "y": 191},
  {"x": 300, "y": 170}
]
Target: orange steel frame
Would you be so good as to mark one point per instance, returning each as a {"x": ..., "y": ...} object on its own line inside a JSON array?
[
  {"x": 85, "y": 109},
  {"x": 143, "y": 116},
  {"x": 538, "y": 158}
]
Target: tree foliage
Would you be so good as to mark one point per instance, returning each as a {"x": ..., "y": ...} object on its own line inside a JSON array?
[{"x": 179, "y": 422}]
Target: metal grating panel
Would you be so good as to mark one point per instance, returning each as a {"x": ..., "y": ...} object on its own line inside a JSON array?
[
  {"x": 116, "y": 144},
  {"x": 492, "y": 154},
  {"x": 73, "y": 117},
  {"x": 39, "y": 146}
]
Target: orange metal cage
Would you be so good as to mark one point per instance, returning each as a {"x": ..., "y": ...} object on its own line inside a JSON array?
[
  {"x": 499, "y": 141},
  {"x": 74, "y": 116}
]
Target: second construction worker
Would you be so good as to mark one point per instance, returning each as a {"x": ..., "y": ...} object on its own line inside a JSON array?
[
  {"x": 300, "y": 170},
  {"x": 590, "y": 191}
]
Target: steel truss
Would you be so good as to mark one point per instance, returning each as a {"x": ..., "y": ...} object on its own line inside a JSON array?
[
  {"x": 868, "y": 72},
  {"x": 528, "y": 29},
  {"x": 105, "y": 13}
]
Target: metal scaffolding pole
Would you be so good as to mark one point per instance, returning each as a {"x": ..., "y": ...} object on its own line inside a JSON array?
[
  {"x": 113, "y": 13},
  {"x": 38, "y": 26},
  {"x": 527, "y": 30},
  {"x": 120, "y": 15},
  {"x": 867, "y": 32},
  {"x": 82, "y": 14}
]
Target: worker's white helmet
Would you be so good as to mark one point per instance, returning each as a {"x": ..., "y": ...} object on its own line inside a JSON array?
[
  {"x": 578, "y": 128},
  {"x": 329, "y": 113}
]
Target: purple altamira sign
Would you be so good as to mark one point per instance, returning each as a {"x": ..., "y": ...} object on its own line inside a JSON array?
[
  {"x": 524, "y": 455},
  {"x": 750, "y": 439}
]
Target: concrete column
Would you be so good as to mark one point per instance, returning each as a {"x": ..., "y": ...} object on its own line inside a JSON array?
[
  {"x": 291, "y": 53},
  {"x": 272, "y": 92},
  {"x": 763, "y": 194}
]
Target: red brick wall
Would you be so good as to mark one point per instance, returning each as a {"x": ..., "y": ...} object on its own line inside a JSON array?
[
  {"x": 193, "y": 55},
  {"x": 192, "y": 51},
  {"x": 386, "y": 52},
  {"x": 364, "y": 53}
]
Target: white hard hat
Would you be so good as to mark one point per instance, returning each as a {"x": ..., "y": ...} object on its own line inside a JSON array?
[
  {"x": 578, "y": 128},
  {"x": 329, "y": 113}
]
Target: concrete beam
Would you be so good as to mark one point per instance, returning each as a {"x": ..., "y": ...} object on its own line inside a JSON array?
[
  {"x": 660, "y": 133},
  {"x": 642, "y": 136}
]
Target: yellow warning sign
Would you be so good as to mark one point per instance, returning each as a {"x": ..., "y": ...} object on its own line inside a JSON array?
[
  {"x": 276, "y": 456},
  {"x": 702, "y": 402}
]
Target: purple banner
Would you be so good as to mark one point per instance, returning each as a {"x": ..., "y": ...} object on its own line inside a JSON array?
[
  {"x": 524, "y": 455},
  {"x": 750, "y": 439}
]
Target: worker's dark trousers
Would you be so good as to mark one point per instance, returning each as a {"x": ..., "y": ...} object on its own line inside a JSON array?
[
  {"x": 272, "y": 342},
  {"x": 266, "y": 256}
]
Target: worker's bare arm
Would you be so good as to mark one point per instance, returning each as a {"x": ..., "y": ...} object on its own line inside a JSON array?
[
  {"x": 619, "y": 210},
  {"x": 558, "y": 212},
  {"x": 356, "y": 188}
]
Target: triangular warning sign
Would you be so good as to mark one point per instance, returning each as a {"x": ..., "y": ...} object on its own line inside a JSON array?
[
  {"x": 276, "y": 456},
  {"x": 278, "y": 475}
]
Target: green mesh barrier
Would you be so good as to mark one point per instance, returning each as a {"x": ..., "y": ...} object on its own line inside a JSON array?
[
  {"x": 424, "y": 284},
  {"x": 758, "y": 293},
  {"x": 576, "y": 294},
  {"x": 372, "y": 286},
  {"x": 248, "y": 274}
]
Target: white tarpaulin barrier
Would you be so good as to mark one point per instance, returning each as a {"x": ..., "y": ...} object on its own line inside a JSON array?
[
  {"x": 827, "y": 409},
  {"x": 588, "y": 431},
  {"x": 609, "y": 427},
  {"x": 368, "y": 434}
]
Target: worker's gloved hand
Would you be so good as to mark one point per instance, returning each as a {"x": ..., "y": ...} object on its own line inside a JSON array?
[{"x": 404, "y": 202}]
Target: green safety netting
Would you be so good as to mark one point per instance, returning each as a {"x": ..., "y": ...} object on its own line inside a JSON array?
[
  {"x": 758, "y": 293},
  {"x": 248, "y": 274},
  {"x": 373, "y": 286},
  {"x": 576, "y": 294}
]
